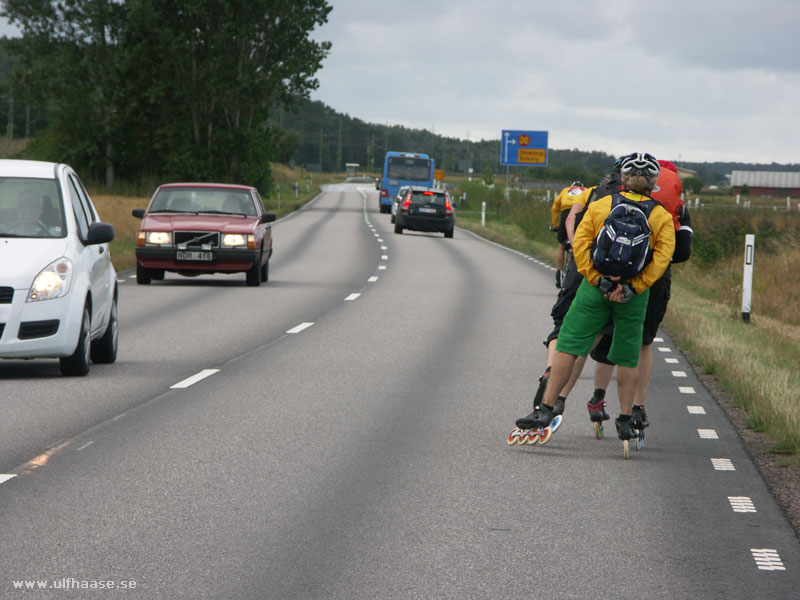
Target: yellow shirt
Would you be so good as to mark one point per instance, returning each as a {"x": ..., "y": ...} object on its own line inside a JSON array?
[
  {"x": 662, "y": 242},
  {"x": 565, "y": 199}
]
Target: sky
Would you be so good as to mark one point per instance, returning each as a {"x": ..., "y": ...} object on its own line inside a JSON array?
[
  {"x": 689, "y": 81},
  {"x": 686, "y": 80}
]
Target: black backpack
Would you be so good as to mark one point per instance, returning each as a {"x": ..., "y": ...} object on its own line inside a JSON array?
[{"x": 622, "y": 247}]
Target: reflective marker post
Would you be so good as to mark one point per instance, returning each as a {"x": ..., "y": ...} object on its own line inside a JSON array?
[
  {"x": 747, "y": 281},
  {"x": 483, "y": 214}
]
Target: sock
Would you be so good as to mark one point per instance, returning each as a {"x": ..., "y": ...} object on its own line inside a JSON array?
[
  {"x": 623, "y": 418},
  {"x": 599, "y": 394}
]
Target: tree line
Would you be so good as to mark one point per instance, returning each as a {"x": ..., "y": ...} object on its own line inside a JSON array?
[
  {"x": 213, "y": 90},
  {"x": 180, "y": 89}
]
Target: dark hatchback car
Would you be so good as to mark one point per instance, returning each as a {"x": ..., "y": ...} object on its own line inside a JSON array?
[
  {"x": 425, "y": 209},
  {"x": 196, "y": 228}
]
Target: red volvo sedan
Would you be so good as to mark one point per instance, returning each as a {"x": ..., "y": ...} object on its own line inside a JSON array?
[{"x": 196, "y": 228}]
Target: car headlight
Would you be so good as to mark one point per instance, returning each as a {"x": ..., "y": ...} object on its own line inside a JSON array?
[
  {"x": 52, "y": 282},
  {"x": 159, "y": 238},
  {"x": 235, "y": 239}
]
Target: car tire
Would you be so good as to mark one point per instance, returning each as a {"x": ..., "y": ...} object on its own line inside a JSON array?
[
  {"x": 254, "y": 274},
  {"x": 78, "y": 363},
  {"x": 265, "y": 272},
  {"x": 397, "y": 228},
  {"x": 104, "y": 350},
  {"x": 448, "y": 233},
  {"x": 143, "y": 275}
]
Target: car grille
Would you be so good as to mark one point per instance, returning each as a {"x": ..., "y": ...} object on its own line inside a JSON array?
[
  {"x": 6, "y": 294},
  {"x": 197, "y": 239},
  {"x": 37, "y": 329}
]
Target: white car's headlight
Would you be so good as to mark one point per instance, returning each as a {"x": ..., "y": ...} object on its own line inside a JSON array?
[
  {"x": 52, "y": 282},
  {"x": 234, "y": 239},
  {"x": 159, "y": 237}
]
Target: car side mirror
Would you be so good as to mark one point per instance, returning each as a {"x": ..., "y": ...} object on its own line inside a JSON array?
[
  {"x": 268, "y": 217},
  {"x": 99, "y": 233},
  {"x": 138, "y": 213}
]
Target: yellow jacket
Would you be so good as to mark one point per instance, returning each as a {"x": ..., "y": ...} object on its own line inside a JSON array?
[
  {"x": 564, "y": 201},
  {"x": 662, "y": 242}
]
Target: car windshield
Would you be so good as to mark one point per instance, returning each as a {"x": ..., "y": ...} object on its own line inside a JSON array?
[
  {"x": 427, "y": 198},
  {"x": 31, "y": 208},
  {"x": 203, "y": 200}
]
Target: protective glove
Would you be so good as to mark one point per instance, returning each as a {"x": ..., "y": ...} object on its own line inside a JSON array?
[
  {"x": 627, "y": 291},
  {"x": 605, "y": 285}
]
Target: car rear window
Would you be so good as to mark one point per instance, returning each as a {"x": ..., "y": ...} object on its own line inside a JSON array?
[
  {"x": 203, "y": 200},
  {"x": 428, "y": 198},
  {"x": 31, "y": 208}
]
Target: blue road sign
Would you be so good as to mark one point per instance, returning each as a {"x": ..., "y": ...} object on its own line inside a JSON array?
[{"x": 523, "y": 148}]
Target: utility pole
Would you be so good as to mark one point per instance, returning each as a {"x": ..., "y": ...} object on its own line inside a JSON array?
[
  {"x": 321, "y": 134},
  {"x": 339, "y": 148},
  {"x": 10, "y": 128}
]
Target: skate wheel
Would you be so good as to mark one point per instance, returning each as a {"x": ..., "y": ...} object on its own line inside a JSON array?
[
  {"x": 531, "y": 437},
  {"x": 545, "y": 435},
  {"x": 598, "y": 430},
  {"x": 625, "y": 448},
  {"x": 514, "y": 436},
  {"x": 556, "y": 423}
]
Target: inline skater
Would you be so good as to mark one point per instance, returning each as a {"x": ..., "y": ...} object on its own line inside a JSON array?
[
  {"x": 561, "y": 206},
  {"x": 668, "y": 192},
  {"x": 603, "y": 296},
  {"x": 572, "y": 279}
]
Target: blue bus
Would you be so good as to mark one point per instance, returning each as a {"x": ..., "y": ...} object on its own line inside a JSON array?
[{"x": 403, "y": 168}]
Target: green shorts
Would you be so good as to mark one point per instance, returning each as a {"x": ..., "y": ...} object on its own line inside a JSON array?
[{"x": 588, "y": 314}]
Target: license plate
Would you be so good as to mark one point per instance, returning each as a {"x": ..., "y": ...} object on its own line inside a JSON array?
[
  {"x": 193, "y": 255},
  {"x": 425, "y": 209}
]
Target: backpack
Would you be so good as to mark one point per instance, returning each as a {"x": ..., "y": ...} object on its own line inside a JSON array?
[{"x": 622, "y": 247}]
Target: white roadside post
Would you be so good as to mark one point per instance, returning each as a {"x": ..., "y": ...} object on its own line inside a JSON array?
[
  {"x": 483, "y": 214},
  {"x": 747, "y": 281}
]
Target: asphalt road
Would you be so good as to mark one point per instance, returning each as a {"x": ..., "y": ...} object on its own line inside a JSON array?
[{"x": 348, "y": 440}]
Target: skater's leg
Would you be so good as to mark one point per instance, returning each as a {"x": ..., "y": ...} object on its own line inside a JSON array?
[
  {"x": 645, "y": 369},
  {"x": 626, "y": 386},
  {"x": 602, "y": 375},
  {"x": 577, "y": 368},
  {"x": 560, "y": 372}
]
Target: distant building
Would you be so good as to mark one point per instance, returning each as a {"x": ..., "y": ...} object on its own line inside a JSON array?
[{"x": 767, "y": 183}]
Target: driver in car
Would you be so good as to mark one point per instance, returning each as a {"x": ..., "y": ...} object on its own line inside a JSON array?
[{"x": 29, "y": 209}]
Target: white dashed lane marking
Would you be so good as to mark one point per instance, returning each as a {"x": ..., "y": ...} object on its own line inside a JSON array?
[
  {"x": 708, "y": 434},
  {"x": 86, "y": 445},
  {"x": 5, "y": 477},
  {"x": 671, "y": 361},
  {"x": 300, "y": 328},
  {"x": 351, "y": 297},
  {"x": 194, "y": 378},
  {"x": 686, "y": 390},
  {"x": 767, "y": 559},
  {"x": 722, "y": 464},
  {"x": 742, "y": 504},
  {"x": 679, "y": 373},
  {"x": 372, "y": 279},
  {"x": 658, "y": 339},
  {"x": 664, "y": 349},
  {"x": 696, "y": 410}
]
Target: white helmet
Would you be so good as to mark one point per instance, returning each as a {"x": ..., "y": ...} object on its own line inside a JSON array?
[{"x": 640, "y": 163}]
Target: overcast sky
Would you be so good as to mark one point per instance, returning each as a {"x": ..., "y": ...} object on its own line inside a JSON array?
[{"x": 690, "y": 80}]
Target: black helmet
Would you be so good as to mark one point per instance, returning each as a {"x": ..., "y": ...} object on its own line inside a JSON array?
[{"x": 640, "y": 163}]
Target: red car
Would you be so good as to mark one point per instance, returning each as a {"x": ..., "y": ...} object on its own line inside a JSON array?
[{"x": 196, "y": 228}]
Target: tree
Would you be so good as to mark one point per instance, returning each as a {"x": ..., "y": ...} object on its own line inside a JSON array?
[
  {"x": 693, "y": 184},
  {"x": 175, "y": 87}
]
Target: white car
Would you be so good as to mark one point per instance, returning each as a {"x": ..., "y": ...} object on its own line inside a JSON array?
[{"x": 58, "y": 288}]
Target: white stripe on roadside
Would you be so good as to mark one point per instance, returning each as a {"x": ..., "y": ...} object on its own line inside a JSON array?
[
  {"x": 4, "y": 478},
  {"x": 352, "y": 297},
  {"x": 299, "y": 328},
  {"x": 194, "y": 379}
]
